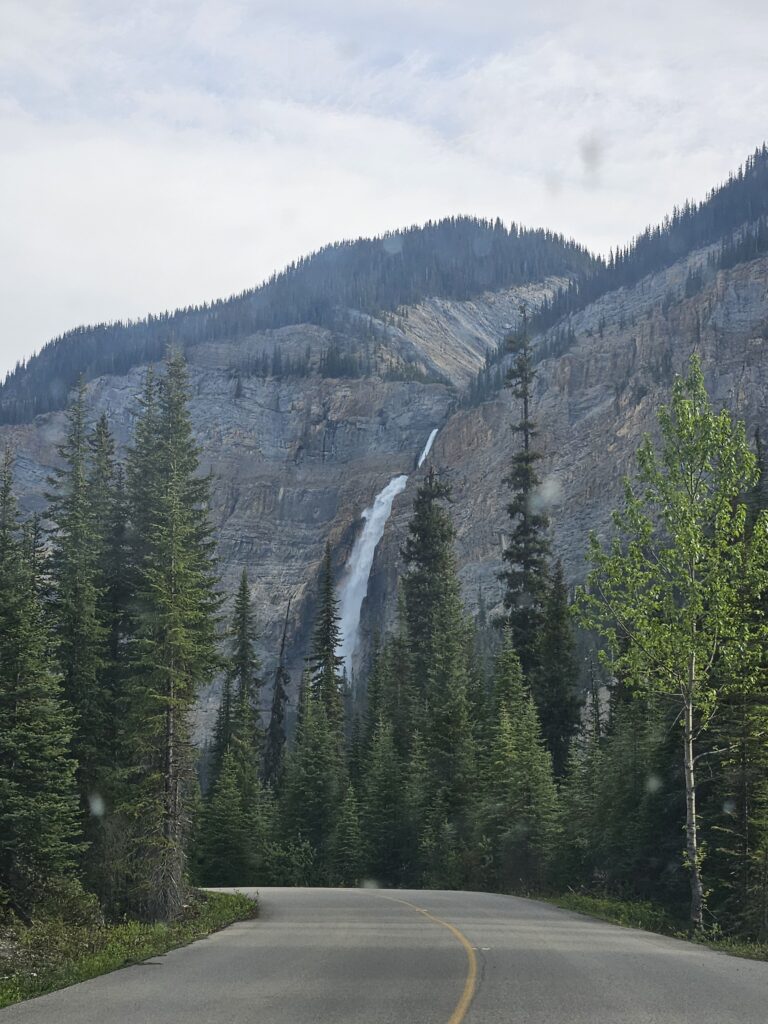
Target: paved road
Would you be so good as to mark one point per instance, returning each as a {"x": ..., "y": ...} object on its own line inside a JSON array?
[{"x": 335, "y": 956}]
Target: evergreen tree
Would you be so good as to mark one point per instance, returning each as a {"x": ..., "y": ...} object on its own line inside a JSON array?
[
  {"x": 430, "y": 563},
  {"x": 38, "y": 803},
  {"x": 325, "y": 664},
  {"x": 346, "y": 845},
  {"x": 554, "y": 683},
  {"x": 313, "y": 785},
  {"x": 275, "y": 737},
  {"x": 173, "y": 643},
  {"x": 519, "y": 801},
  {"x": 525, "y": 556},
  {"x": 381, "y": 808},
  {"x": 79, "y": 632},
  {"x": 224, "y": 847},
  {"x": 238, "y": 716}
]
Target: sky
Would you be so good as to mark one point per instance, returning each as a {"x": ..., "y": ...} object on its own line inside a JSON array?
[{"x": 159, "y": 154}]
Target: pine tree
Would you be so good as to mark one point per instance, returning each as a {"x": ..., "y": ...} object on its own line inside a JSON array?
[
  {"x": 381, "y": 808},
  {"x": 39, "y": 830},
  {"x": 172, "y": 646},
  {"x": 554, "y": 683},
  {"x": 79, "y": 632},
  {"x": 237, "y": 720},
  {"x": 430, "y": 563},
  {"x": 274, "y": 743},
  {"x": 223, "y": 843},
  {"x": 527, "y": 551},
  {"x": 313, "y": 785},
  {"x": 519, "y": 801},
  {"x": 346, "y": 844},
  {"x": 325, "y": 664},
  {"x": 439, "y": 643}
]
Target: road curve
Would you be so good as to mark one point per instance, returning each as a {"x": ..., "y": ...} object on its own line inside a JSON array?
[{"x": 342, "y": 956}]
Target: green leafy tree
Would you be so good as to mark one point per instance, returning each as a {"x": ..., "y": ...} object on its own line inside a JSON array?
[
  {"x": 666, "y": 594},
  {"x": 39, "y": 829}
]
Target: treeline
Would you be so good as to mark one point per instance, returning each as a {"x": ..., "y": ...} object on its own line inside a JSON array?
[
  {"x": 740, "y": 201},
  {"x": 107, "y": 630},
  {"x": 474, "y": 760},
  {"x": 453, "y": 258}
]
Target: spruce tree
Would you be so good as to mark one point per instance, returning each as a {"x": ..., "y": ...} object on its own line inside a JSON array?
[
  {"x": 173, "y": 643},
  {"x": 554, "y": 682},
  {"x": 526, "y": 554},
  {"x": 238, "y": 716},
  {"x": 346, "y": 844},
  {"x": 325, "y": 664},
  {"x": 274, "y": 741},
  {"x": 381, "y": 808},
  {"x": 79, "y": 632},
  {"x": 519, "y": 802},
  {"x": 439, "y": 644},
  {"x": 313, "y": 785},
  {"x": 39, "y": 829}
]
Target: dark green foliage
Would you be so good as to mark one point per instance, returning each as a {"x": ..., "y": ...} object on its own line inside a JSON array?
[
  {"x": 527, "y": 550},
  {"x": 382, "y": 810},
  {"x": 313, "y": 786},
  {"x": 39, "y": 828},
  {"x": 346, "y": 857},
  {"x": 325, "y": 664},
  {"x": 555, "y": 680},
  {"x": 172, "y": 646},
  {"x": 81, "y": 492}
]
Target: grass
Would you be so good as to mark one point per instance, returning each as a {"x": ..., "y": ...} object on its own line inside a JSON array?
[
  {"x": 653, "y": 918},
  {"x": 52, "y": 953}
]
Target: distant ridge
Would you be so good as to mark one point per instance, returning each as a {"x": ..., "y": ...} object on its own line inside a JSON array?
[{"x": 456, "y": 258}]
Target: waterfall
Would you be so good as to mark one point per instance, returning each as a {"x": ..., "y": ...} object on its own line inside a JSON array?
[
  {"x": 355, "y": 584},
  {"x": 427, "y": 447}
]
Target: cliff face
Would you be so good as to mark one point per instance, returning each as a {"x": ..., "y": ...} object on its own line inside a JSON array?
[{"x": 296, "y": 459}]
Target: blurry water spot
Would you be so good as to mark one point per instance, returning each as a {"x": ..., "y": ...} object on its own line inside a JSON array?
[
  {"x": 547, "y": 494},
  {"x": 393, "y": 244},
  {"x": 652, "y": 784},
  {"x": 369, "y": 883},
  {"x": 729, "y": 806},
  {"x": 97, "y": 805},
  {"x": 591, "y": 152}
]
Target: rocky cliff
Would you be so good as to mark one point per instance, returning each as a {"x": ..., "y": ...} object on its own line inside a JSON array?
[{"x": 296, "y": 457}]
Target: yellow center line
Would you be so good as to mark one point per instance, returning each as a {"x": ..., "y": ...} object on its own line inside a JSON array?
[{"x": 470, "y": 984}]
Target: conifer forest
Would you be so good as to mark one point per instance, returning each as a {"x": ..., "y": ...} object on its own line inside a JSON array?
[{"x": 610, "y": 740}]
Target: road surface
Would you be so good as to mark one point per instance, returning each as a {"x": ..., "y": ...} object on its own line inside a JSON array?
[{"x": 341, "y": 956}]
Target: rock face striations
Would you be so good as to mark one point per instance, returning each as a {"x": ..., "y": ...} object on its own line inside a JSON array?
[{"x": 297, "y": 453}]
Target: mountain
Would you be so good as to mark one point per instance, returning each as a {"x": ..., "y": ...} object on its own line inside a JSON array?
[
  {"x": 456, "y": 258},
  {"x": 304, "y": 423}
]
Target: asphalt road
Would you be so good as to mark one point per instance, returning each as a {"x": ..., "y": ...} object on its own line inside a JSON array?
[{"x": 337, "y": 956}]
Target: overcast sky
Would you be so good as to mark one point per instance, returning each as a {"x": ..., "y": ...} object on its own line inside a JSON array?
[{"x": 156, "y": 154}]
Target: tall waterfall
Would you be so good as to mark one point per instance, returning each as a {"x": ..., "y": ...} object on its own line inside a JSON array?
[{"x": 355, "y": 584}]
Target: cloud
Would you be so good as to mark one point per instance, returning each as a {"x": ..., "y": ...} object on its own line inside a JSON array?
[{"x": 158, "y": 154}]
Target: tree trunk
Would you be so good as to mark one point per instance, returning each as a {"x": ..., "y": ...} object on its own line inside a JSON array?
[{"x": 691, "y": 828}]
